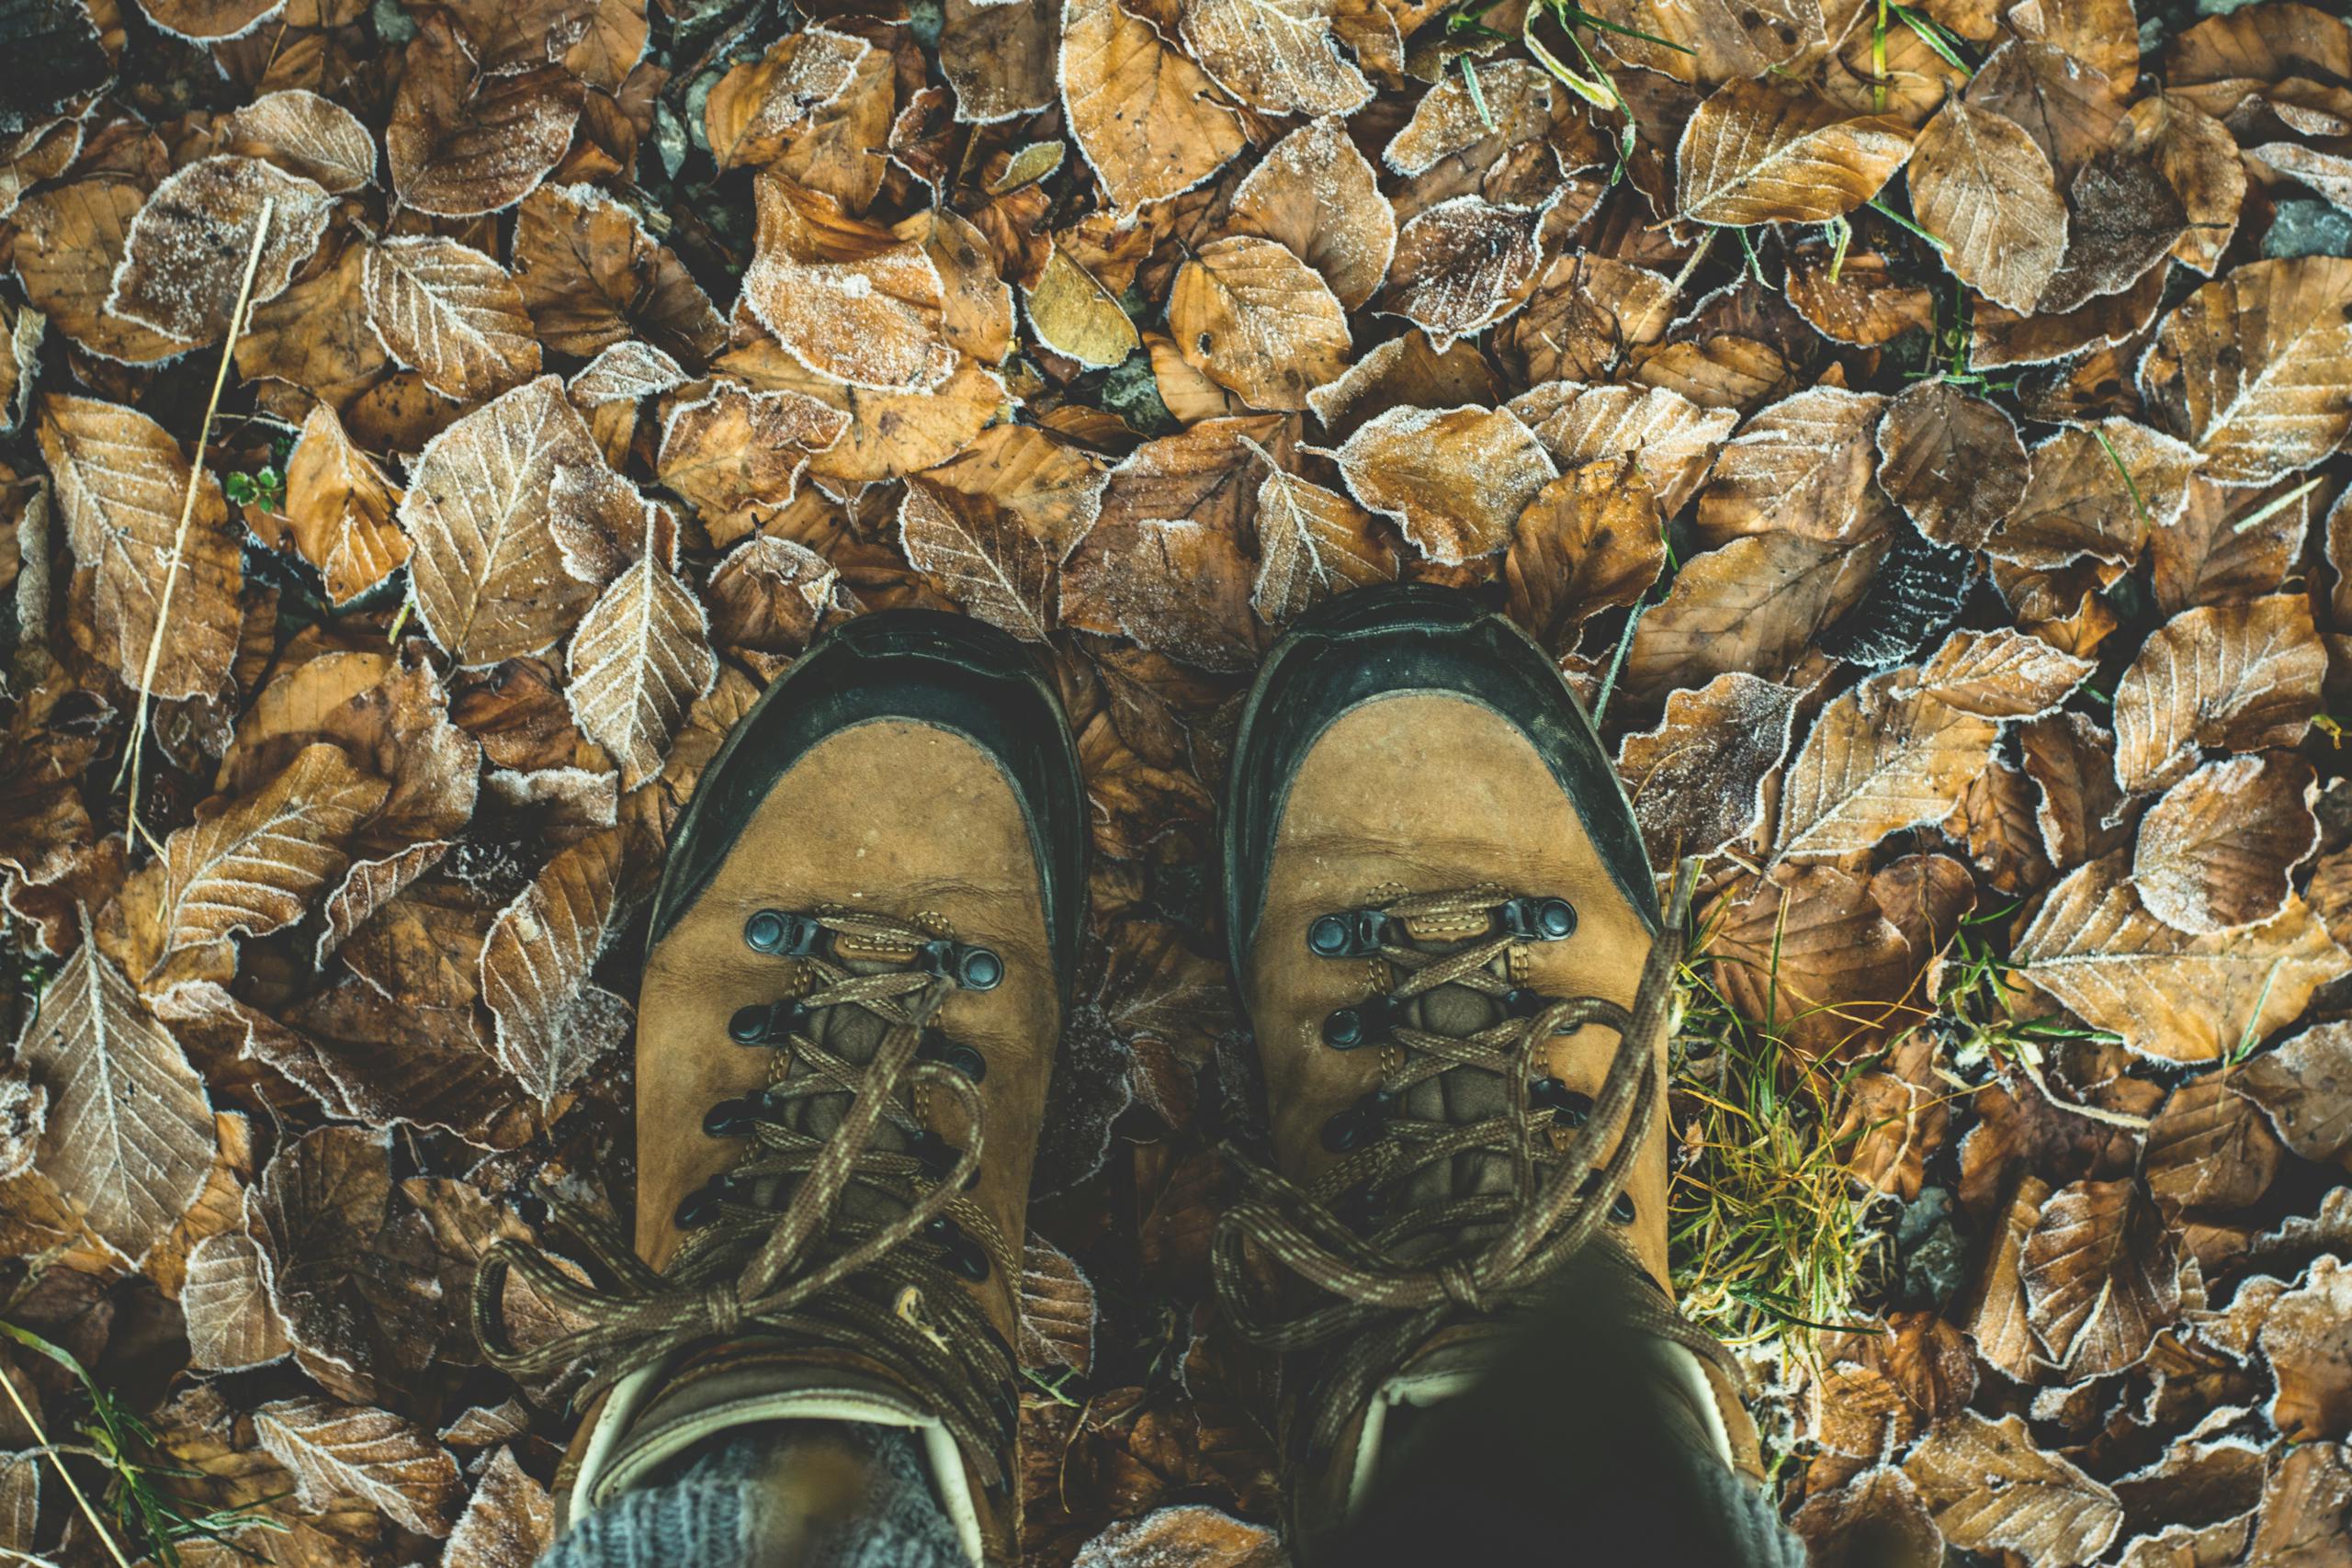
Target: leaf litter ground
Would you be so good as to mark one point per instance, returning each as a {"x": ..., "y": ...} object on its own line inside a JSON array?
[{"x": 1918, "y": 432}]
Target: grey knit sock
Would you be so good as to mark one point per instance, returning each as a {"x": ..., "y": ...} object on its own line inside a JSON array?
[{"x": 715, "y": 1511}]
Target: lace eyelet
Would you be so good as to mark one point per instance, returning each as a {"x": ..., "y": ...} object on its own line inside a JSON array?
[
  {"x": 782, "y": 933},
  {"x": 732, "y": 1118},
  {"x": 1568, "y": 1108},
  {"x": 1349, "y": 933},
  {"x": 1344, "y": 1028},
  {"x": 700, "y": 1207},
  {"x": 965, "y": 1059},
  {"x": 1538, "y": 920},
  {"x": 765, "y": 1024},
  {"x": 1621, "y": 1208},
  {"x": 965, "y": 1255},
  {"x": 972, "y": 968},
  {"x": 1356, "y": 1126},
  {"x": 939, "y": 1156}
]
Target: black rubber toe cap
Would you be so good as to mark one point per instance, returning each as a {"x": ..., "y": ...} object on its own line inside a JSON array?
[
  {"x": 1413, "y": 638},
  {"x": 948, "y": 670}
]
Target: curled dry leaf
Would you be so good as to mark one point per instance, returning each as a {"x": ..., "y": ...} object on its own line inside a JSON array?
[
  {"x": 1883, "y": 756},
  {"x": 69, "y": 241},
  {"x": 2101, "y": 1276},
  {"x": 2198, "y": 158},
  {"x": 1075, "y": 316},
  {"x": 983, "y": 554},
  {"x": 1809, "y": 949},
  {"x": 2209, "y": 1148},
  {"x": 2254, "y": 369},
  {"x": 1058, "y": 1311},
  {"x": 1998, "y": 674},
  {"x": 1953, "y": 461},
  {"x": 735, "y": 455},
  {"x": 550, "y": 1022},
  {"x": 1876, "y": 1520},
  {"x": 1753, "y": 606},
  {"x": 756, "y": 109},
  {"x": 2231, "y": 678},
  {"x": 1586, "y": 317},
  {"x": 2307, "y": 1339},
  {"x": 1802, "y": 466},
  {"x": 121, "y": 482},
  {"x": 1316, "y": 194},
  {"x": 1754, "y": 154},
  {"x": 509, "y": 1520},
  {"x": 592, "y": 277},
  {"x": 462, "y": 142},
  {"x": 1992, "y": 1488},
  {"x": 770, "y": 595},
  {"x": 339, "y": 509},
  {"x": 1697, "y": 781},
  {"x": 2305, "y": 1088},
  {"x": 305, "y": 134},
  {"x": 849, "y": 301},
  {"x": 1455, "y": 480},
  {"x": 129, "y": 1138},
  {"x": 1879, "y": 1390},
  {"x": 1981, "y": 185},
  {"x": 1277, "y": 56},
  {"x": 1258, "y": 321},
  {"x": 890, "y": 435},
  {"x": 1147, "y": 119},
  {"x": 1464, "y": 264},
  {"x": 1312, "y": 543},
  {"x": 1865, "y": 305},
  {"x": 1671, "y": 440},
  {"x": 1592, "y": 540},
  {"x": 336, "y": 1450},
  {"x": 453, "y": 313},
  {"x": 2095, "y": 492},
  {"x": 231, "y": 1323},
  {"x": 2094, "y": 949},
  {"x": 625, "y": 372},
  {"x": 184, "y": 259},
  {"x": 2216, "y": 851}
]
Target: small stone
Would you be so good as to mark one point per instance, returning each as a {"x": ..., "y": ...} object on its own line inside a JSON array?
[{"x": 2308, "y": 229}]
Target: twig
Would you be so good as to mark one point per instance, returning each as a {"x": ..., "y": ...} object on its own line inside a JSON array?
[{"x": 187, "y": 511}]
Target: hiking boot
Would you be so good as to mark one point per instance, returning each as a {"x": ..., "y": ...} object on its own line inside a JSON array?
[
  {"x": 860, "y": 959},
  {"x": 1447, "y": 937}
]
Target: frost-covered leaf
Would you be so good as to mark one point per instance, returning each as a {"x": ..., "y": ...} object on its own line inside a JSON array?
[
  {"x": 2231, "y": 678},
  {"x": 1980, "y": 185},
  {"x": 640, "y": 657},
  {"x": 509, "y": 1520},
  {"x": 1999, "y": 674},
  {"x": 1803, "y": 466},
  {"x": 1753, "y": 154},
  {"x": 2305, "y": 1088},
  {"x": 1312, "y": 543},
  {"x": 1277, "y": 56},
  {"x": 982, "y": 554},
  {"x": 2307, "y": 1339},
  {"x": 1590, "y": 540},
  {"x": 2215, "y": 853},
  {"x": 2101, "y": 1276},
  {"x": 1953, "y": 461},
  {"x": 592, "y": 278},
  {"x": 1057, "y": 1303},
  {"x": 129, "y": 1137},
  {"x": 452, "y": 312},
  {"x": 1697, "y": 781},
  {"x": 1455, "y": 480},
  {"x": 849, "y": 301},
  {"x": 184, "y": 260},
  {"x": 1258, "y": 321},
  {"x": 339, "y": 509},
  {"x": 1463, "y": 265},
  {"x": 550, "y": 1023},
  {"x": 1672, "y": 440},
  {"x": 231, "y": 1323},
  {"x": 1316, "y": 194},
  {"x": 735, "y": 454},
  {"x": 1755, "y": 607},
  {"x": 1147, "y": 119},
  {"x": 1992, "y": 1488},
  {"x": 336, "y": 1450},
  {"x": 462, "y": 141},
  {"x": 1882, "y": 757},
  {"x": 305, "y": 134},
  {"x": 2095, "y": 492},
  {"x": 2254, "y": 369}
]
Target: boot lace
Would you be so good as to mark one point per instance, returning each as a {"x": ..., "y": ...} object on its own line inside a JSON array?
[
  {"x": 824, "y": 1238},
  {"x": 1386, "y": 1284}
]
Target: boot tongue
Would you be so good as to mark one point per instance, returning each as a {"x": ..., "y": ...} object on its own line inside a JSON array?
[
  {"x": 854, "y": 1035},
  {"x": 1458, "y": 1097}
]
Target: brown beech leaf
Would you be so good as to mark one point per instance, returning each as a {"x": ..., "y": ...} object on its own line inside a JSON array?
[
  {"x": 1753, "y": 154},
  {"x": 1672, "y": 440},
  {"x": 1312, "y": 543},
  {"x": 640, "y": 657},
  {"x": 1056, "y": 1309},
  {"x": 1074, "y": 315},
  {"x": 203, "y": 21},
  {"x": 977, "y": 304},
  {"x": 1166, "y": 563},
  {"x": 1879, "y": 1390},
  {"x": 1404, "y": 372},
  {"x": 2307, "y": 1339},
  {"x": 2125, "y": 220},
  {"x": 1883, "y": 756},
  {"x": 1591, "y": 539},
  {"x": 1146, "y": 118},
  {"x": 849, "y": 301},
  {"x": 494, "y": 508},
  {"x": 1586, "y": 317},
  {"x": 1953, "y": 461},
  {"x": 2210, "y": 1148},
  {"x": 2308, "y": 1494},
  {"x": 2068, "y": 107},
  {"x": 69, "y": 238},
  {"x": 2305, "y": 1088},
  {"x": 550, "y": 1022},
  {"x": 1455, "y": 479},
  {"x": 982, "y": 554},
  {"x": 1981, "y": 185},
  {"x": 2254, "y": 369},
  {"x": 1056, "y": 489},
  {"x": 625, "y": 372},
  {"x": 1992, "y": 1488},
  {"x": 453, "y": 313},
  {"x": 1809, "y": 950},
  {"x": 1998, "y": 675},
  {"x": 183, "y": 258},
  {"x": 1277, "y": 56},
  {"x": 336, "y": 1450},
  {"x": 1753, "y": 606},
  {"x": 231, "y": 1323},
  {"x": 2232, "y": 545},
  {"x": 351, "y": 1276},
  {"x": 2216, "y": 851},
  {"x": 591, "y": 277},
  {"x": 1191, "y": 1533},
  {"x": 1258, "y": 321},
  {"x": 758, "y": 107},
  {"x": 1993, "y": 1313},
  {"x": 254, "y": 865},
  {"x": 2095, "y": 492},
  {"x": 2198, "y": 158},
  {"x": 304, "y": 134},
  {"x": 129, "y": 1138},
  {"x": 2101, "y": 1276},
  {"x": 509, "y": 1520},
  {"x": 1802, "y": 466},
  {"x": 890, "y": 435},
  {"x": 1697, "y": 781},
  {"x": 736, "y": 455},
  {"x": 2231, "y": 678},
  {"x": 1000, "y": 59},
  {"x": 2095, "y": 948},
  {"x": 1316, "y": 194},
  {"x": 119, "y": 483},
  {"x": 462, "y": 142},
  {"x": 339, "y": 509},
  {"x": 1876, "y": 1520},
  {"x": 1463, "y": 265},
  {"x": 1865, "y": 306}
]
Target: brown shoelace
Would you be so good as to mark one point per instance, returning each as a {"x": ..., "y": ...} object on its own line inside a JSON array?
[
  {"x": 810, "y": 1274},
  {"x": 1467, "y": 1257}
]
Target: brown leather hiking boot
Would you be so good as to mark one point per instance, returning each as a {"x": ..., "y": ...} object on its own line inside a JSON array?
[
  {"x": 1446, "y": 934},
  {"x": 859, "y": 963}
]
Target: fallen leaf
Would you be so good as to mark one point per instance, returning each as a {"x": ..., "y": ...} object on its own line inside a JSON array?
[
  {"x": 1752, "y": 606},
  {"x": 1998, "y": 675},
  {"x": 1257, "y": 320},
  {"x": 462, "y": 142},
  {"x": 1879, "y": 759},
  {"x": 550, "y": 1022},
  {"x": 983, "y": 554},
  {"x": 641, "y": 656},
  {"x": 2256, "y": 368},
  {"x": 2305, "y": 1088},
  {"x": 1587, "y": 316},
  {"x": 1074, "y": 315},
  {"x": 1312, "y": 543},
  {"x": 2209, "y": 1148},
  {"x": 1592, "y": 540},
  {"x": 1981, "y": 185},
  {"x": 2101, "y": 1276},
  {"x": 2231, "y": 678},
  {"x": 2307, "y": 1339},
  {"x": 1953, "y": 462},
  {"x": 2069, "y": 108},
  {"x": 202, "y": 21},
  {"x": 341, "y": 1450},
  {"x": 1865, "y": 304},
  {"x": 1992, "y": 1488},
  {"x": 1057, "y": 1306},
  {"x": 2216, "y": 851},
  {"x": 1672, "y": 440},
  {"x": 1455, "y": 479},
  {"x": 69, "y": 240},
  {"x": 1876, "y": 1520},
  {"x": 1697, "y": 782},
  {"x": 183, "y": 258},
  {"x": 231, "y": 1323},
  {"x": 1316, "y": 194},
  {"x": 129, "y": 1137},
  {"x": 1754, "y": 154},
  {"x": 307, "y": 135},
  {"x": 1808, "y": 951},
  {"x": 849, "y": 301},
  {"x": 509, "y": 1520},
  {"x": 1464, "y": 264},
  {"x": 1192, "y": 1534},
  {"x": 1277, "y": 56},
  {"x": 452, "y": 312},
  {"x": 592, "y": 277},
  {"x": 339, "y": 509},
  {"x": 2198, "y": 158},
  {"x": 1802, "y": 466},
  {"x": 2072, "y": 762},
  {"x": 1144, "y": 116},
  {"x": 736, "y": 455}
]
